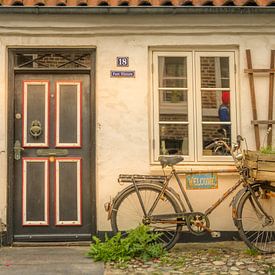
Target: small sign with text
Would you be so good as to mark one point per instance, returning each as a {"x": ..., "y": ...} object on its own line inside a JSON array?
[
  {"x": 202, "y": 181},
  {"x": 127, "y": 74}
]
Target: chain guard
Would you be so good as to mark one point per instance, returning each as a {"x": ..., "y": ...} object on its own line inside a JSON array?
[{"x": 197, "y": 223}]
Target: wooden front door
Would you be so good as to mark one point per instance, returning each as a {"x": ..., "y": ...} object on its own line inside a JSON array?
[{"x": 52, "y": 152}]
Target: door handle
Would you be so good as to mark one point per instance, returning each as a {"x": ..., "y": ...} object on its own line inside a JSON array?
[
  {"x": 36, "y": 128},
  {"x": 17, "y": 150}
]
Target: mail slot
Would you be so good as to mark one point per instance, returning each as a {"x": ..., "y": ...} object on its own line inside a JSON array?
[{"x": 52, "y": 152}]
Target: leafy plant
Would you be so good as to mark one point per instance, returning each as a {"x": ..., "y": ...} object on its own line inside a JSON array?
[
  {"x": 271, "y": 270},
  {"x": 267, "y": 150},
  {"x": 176, "y": 262},
  {"x": 138, "y": 243},
  {"x": 251, "y": 252}
]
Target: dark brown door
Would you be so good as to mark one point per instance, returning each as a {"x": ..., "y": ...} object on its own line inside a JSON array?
[{"x": 53, "y": 171}]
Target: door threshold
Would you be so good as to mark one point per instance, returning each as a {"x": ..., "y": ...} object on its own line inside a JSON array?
[{"x": 47, "y": 244}]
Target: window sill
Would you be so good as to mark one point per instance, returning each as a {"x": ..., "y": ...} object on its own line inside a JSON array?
[{"x": 193, "y": 169}]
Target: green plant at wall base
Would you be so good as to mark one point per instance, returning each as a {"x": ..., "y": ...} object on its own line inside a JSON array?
[
  {"x": 251, "y": 252},
  {"x": 271, "y": 270},
  {"x": 139, "y": 243},
  {"x": 267, "y": 150}
]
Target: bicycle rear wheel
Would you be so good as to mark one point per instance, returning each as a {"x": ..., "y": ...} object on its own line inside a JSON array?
[
  {"x": 255, "y": 229},
  {"x": 127, "y": 213}
]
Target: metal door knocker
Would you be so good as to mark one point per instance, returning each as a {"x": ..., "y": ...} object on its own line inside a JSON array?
[{"x": 36, "y": 129}]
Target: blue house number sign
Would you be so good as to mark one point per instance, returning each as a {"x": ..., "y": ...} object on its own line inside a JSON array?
[{"x": 122, "y": 61}]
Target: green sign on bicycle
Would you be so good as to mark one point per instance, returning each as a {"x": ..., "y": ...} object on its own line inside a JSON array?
[{"x": 202, "y": 181}]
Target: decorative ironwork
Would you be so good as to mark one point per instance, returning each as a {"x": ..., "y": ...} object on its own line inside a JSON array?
[{"x": 53, "y": 60}]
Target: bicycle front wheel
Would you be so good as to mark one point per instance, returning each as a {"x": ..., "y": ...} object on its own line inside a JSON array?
[
  {"x": 256, "y": 230},
  {"x": 127, "y": 213}
]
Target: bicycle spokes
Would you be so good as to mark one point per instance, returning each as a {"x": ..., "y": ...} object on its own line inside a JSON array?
[{"x": 257, "y": 227}]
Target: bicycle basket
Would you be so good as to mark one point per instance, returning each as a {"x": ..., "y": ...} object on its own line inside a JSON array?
[{"x": 261, "y": 166}]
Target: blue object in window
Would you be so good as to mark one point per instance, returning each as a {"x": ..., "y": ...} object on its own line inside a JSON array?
[{"x": 224, "y": 113}]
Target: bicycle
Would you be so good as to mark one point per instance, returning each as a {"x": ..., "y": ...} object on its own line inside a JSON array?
[
  {"x": 150, "y": 201},
  {"x": 216, "y": 146}
]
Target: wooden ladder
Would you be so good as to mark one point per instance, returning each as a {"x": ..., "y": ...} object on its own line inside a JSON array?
[{"x": 255, "y": 120}]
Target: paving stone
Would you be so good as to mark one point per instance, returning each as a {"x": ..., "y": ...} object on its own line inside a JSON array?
[
  {"x": 202, "y": 259},
  {"x": 218, "y": 263},
  {"x": 234, "y": 268},
  {"x": 252, "y": 269}
]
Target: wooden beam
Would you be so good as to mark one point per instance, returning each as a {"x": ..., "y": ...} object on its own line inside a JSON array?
[
  {"x": 270, "y": 98},
  {"x": 253, "y": 99},
  {"x": 255, "y": 122},
  {"x": 250, "y": 71}
]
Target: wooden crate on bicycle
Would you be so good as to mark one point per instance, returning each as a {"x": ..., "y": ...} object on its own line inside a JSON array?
[{"x": 261, "y": 166}]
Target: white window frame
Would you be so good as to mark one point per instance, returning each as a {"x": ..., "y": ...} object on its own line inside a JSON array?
[
  {"x": 194, "y": 102},
  {"x": 157, "y": 123},
  {"x": 233, "y": 113}
]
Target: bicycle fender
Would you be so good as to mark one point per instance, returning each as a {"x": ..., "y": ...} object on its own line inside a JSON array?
[{"x": 235, "y": 201}]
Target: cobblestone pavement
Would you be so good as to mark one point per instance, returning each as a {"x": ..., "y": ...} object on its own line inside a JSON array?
[{"x": 201, "y": 258}]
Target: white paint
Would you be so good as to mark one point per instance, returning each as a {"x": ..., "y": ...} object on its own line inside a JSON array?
[{"x": 123, "y": 114}]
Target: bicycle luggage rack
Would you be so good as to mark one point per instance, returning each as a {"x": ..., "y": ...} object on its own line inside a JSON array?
[{"x": 141, "y": 178}]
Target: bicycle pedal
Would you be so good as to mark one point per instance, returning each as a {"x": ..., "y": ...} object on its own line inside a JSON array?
[{"x": 215, "y": 234}]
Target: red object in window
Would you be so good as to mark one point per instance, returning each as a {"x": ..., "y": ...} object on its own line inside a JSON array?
[{"x": 225, "y": 97}]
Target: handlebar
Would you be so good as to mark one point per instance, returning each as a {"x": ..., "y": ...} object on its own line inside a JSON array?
[{"x": 234, "y": 150}]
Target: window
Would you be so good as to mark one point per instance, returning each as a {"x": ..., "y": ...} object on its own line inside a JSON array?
[{"x": 193, "y": 103}]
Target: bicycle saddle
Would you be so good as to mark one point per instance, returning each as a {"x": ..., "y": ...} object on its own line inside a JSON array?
[{"x": 169, "y": 161}]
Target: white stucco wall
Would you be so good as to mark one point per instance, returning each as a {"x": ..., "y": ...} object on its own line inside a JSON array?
[{"x": 123, "y": 105}]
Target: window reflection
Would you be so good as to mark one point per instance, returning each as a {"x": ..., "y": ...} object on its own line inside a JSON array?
[
  {"x": 214, "y": 72},
  {"x": 172, "y": 72},
  {"x": 173, "y": 139}
]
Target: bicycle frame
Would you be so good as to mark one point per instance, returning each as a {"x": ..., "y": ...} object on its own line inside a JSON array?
[
  {"x": 207, "y": 212},
  {"x": 156, "y": 189},
  {"x": 176, "y": 174},
  {"x": 164, "y": 187}
]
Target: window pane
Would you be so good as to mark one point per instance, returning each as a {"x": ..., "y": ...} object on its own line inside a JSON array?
[
  {"x": 212, "y": 133},
  {"x": 214, "y": 72},
  {"x": 172, "y": 72},
  {"x": 215, "y": 105},
  {"x": 173, "y": 105},
  {"x": 173, "y": 139}
]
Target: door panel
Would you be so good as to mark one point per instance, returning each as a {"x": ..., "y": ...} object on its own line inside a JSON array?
[
  {"x": 35, "y": 194},
  {"x": 53, "y": 177},
  {"x": 68, "y": 191},
  {"x": 68, "y": 120},
  {"x": 35, "y": 110}
]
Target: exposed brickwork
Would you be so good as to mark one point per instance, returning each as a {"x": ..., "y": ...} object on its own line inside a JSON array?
[{"x": 208, "y": 80}]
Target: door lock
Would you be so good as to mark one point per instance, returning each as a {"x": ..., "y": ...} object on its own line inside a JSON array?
[{"x": 17, "y": 150}]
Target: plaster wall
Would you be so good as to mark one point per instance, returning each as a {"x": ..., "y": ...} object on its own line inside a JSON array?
[{"x": 123, "y": 106}]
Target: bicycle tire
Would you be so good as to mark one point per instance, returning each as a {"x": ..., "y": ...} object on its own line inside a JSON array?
[
  {"x": 257, "y": 235},
  {"x": 127, "y": 213}
]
